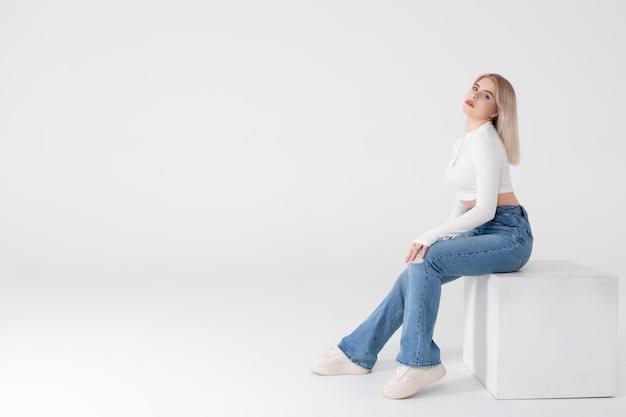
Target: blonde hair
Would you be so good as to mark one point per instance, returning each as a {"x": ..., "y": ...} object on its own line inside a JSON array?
[{"x": 506, "y": 120}]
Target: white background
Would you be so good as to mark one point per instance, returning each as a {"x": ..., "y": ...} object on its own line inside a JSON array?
[{"x": 286, "y": 150}]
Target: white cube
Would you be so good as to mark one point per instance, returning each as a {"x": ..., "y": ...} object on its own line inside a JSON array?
[{"x": 546, "y": 331}]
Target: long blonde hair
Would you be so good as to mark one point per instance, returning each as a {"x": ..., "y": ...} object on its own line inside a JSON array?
[{"x": 506, "y": 120}]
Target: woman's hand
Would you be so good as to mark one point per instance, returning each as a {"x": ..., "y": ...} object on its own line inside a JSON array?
[{"x": 416, "y": 252}]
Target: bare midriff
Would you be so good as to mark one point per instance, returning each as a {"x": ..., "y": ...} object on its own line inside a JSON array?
[{"x": 504, "y": 199}]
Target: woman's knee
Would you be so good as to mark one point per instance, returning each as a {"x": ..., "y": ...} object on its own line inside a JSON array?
[{"x": 402, "y": 278}]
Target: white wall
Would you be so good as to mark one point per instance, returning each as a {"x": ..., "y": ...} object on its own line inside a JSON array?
[{"x": 193, "y": 136}]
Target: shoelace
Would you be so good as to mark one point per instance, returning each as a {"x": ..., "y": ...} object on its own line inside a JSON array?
[
  {"x": 401, "y": 370},
  {"x": 332, "y": 352}
]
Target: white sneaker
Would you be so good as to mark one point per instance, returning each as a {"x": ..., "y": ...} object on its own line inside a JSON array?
[
  {"x": 406, "y": 380},
  {"x": 335, "y": 362}
]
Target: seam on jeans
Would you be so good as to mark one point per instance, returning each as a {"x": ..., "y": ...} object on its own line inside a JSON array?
[{"x": 420, "y": 317}]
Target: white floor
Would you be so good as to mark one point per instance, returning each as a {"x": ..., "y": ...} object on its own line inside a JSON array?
[{"x": 219, "y": 345}]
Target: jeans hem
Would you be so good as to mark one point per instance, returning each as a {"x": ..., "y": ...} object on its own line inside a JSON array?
[
  {"x": 419, "y": 365},
  {"x": 352, "y": 360}
]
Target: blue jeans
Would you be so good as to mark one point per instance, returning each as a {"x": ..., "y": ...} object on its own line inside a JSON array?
[{"x": 503, "y": 244}]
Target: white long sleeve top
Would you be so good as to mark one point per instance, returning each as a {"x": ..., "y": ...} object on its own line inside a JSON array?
[{"x": 479, "y": 170}]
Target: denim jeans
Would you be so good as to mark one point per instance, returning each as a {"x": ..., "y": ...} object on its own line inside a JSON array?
[{"x": 503, "y": 244}]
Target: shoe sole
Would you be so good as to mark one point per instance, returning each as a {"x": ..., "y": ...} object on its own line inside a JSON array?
[{"x": 412, "y": 388}]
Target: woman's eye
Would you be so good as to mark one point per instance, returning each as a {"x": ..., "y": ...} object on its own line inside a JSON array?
[
  {"x": 486, "y": 97},
  {"x": 474, "y": 88}
]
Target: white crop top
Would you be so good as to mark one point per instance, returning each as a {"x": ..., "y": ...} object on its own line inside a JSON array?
[{"x": 479, "y": 170}]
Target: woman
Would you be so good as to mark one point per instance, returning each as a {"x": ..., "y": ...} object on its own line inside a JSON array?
[{"x": 487, "y": 232}]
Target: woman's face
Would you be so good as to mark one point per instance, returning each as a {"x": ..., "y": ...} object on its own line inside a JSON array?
[{"x": 480, "y": 101}]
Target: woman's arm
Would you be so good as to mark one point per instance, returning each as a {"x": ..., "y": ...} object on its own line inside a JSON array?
[{"x": 487, "y": 157}]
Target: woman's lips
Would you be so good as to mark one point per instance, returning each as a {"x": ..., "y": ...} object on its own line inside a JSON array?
[{"x": 469, "y": 103}]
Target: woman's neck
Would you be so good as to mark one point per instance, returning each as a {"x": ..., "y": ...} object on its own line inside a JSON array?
[{"x": 473, "y": 124}]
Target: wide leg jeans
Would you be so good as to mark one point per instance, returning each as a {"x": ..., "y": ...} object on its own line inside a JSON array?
[{"x": 503, "y": 244}]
